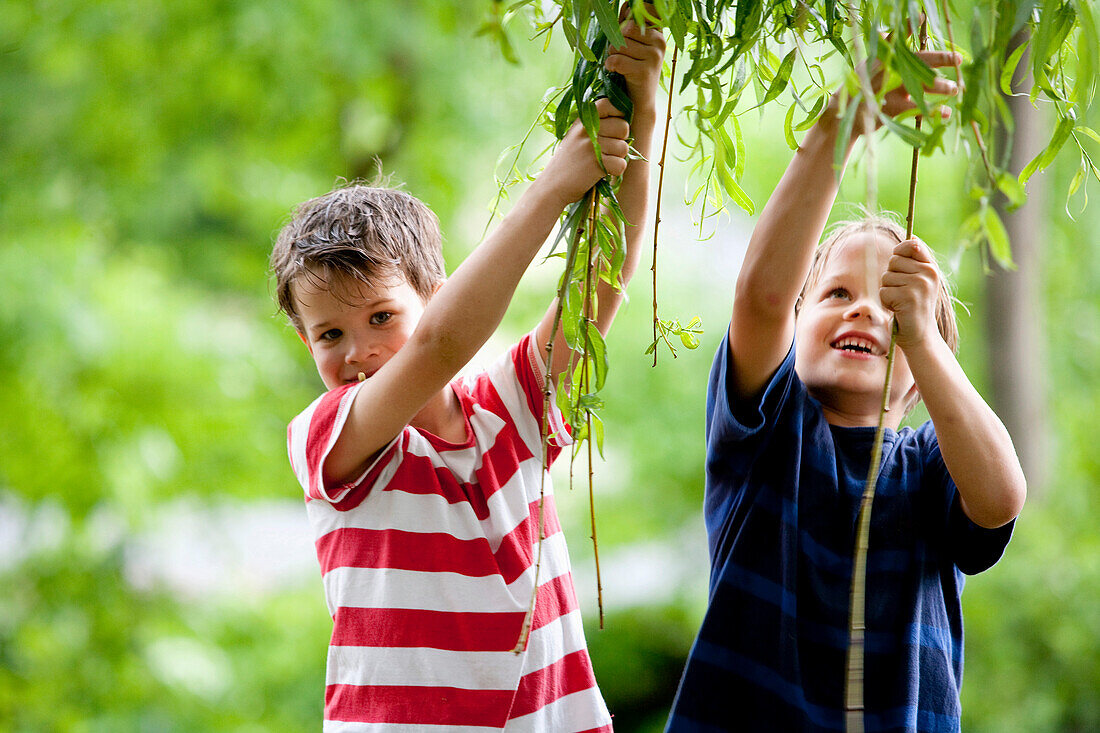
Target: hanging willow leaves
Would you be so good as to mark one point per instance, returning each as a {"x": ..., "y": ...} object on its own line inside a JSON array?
[{"x": 743, "y": 55}]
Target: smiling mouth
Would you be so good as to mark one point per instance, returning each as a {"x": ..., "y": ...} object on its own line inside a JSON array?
[{"x": 856, "y": 346}]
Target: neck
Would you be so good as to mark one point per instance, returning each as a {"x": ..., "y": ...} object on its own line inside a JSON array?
[{"x": 442, "y": 416}]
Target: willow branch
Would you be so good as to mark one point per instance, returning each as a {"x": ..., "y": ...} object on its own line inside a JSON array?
[
  {"x": 544, "y": 427},
  {"x": 660, "y": 189}
]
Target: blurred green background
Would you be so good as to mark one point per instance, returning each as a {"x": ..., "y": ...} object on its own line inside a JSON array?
[{"x": 156, "y": 569}]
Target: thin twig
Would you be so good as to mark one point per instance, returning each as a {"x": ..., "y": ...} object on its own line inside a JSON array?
[
  {"x": 857, "y": 624},
  {"x": 660, "y": 189},
  {"x": 961, "y": 84},
  {"x": 589, "y": 294}
]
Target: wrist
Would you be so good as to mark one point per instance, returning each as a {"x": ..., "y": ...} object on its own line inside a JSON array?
[{"x": 924, "y": 348}]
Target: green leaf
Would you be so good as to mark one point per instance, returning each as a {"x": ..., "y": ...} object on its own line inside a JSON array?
[
  {"x": 844, "y": 133},
  {"x": 788, "y": 132},
  {"x": 910, "y": 135},
  {"x": 782, "y": 76},
  {"x": 1043, "y": 159},
  {"x": 597, "y": 351},
  {"x": 1078, "y": 178},
  {"x": 915, "y": 74},
  {"x": 607, "y": 15},
  {"x": 997, "y": 237},
  {"x": 1088, "y": 131},
  {"x": 1009, "y": 69},
  {"x": 1013, "y": 190}
]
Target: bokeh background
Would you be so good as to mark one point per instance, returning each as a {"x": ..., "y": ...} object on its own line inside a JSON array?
[{"x": 156, "y": 569}]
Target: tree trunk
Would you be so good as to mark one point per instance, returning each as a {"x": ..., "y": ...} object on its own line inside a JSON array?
[{"x": 1014, "y": 306}]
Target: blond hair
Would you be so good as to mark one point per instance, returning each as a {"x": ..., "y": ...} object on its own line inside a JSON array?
[
  {"x": 357, "y": 233},
  {"x": 883, "y": 225}
]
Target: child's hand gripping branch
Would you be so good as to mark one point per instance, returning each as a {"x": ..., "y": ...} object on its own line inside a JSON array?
[
  {"x": 639, "y": 62},
  {"x": 975, "y": 445}
]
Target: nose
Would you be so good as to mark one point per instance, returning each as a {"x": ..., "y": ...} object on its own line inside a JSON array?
[
  {"x": 360, "y": 351},
  {"x": 865, "y": 307}
]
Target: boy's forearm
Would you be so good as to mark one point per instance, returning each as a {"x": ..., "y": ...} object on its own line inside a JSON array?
[
  {"x": 633, "y": 196},
  {"x": 975, "y": 445},
  {"x": 783, "y": 241},
  {"x": 466, "y": 312}
]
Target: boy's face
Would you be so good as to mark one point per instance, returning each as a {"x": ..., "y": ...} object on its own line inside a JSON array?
[
  {"x": 843, "y": 333},
  {"x": 358, "y": 331}
]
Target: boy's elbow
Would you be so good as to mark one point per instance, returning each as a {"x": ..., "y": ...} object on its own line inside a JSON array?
[{"x": 1007, "y": 506}]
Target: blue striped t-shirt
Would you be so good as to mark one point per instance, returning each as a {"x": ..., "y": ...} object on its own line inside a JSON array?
[{"x": 782, "y": 496}]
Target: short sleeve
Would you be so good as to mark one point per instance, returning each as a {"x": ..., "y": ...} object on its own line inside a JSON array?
[
  {"x": 729, "y": 420},
  {"x": 972, "y": 548},
  {"x": 313, "y": 433}
]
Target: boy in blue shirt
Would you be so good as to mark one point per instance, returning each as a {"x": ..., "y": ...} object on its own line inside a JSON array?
[{"x": 792, "y": 405}]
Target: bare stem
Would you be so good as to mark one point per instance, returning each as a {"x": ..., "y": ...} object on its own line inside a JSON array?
[
  {"x": 857, "y": 619},
  {"x": 657, "y": 213},
  {"x": 589, "y": 294}
]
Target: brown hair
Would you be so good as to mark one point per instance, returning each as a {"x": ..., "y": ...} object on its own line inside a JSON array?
[
  {"x": 362, "y": 233},
  {"x": 887, "y": 227}
]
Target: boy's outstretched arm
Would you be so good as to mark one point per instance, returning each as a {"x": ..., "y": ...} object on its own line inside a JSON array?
[
  {"x": 468, "y": 307},
  {"x": 782, "y": 244},
  {"x": 639, "y": 62},
  {"x": 975, "y": 445}
]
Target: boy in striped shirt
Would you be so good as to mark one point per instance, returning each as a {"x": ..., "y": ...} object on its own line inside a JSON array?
[{"x": 423, "y": 489}]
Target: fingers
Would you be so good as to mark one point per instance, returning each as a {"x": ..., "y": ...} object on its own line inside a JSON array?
[
  {"x": 914, "y": 249},
  {"x": 608, "y": 110},
  {"x": 940, "y": 59}
]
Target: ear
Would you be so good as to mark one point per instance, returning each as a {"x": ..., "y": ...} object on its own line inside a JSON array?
[
  {"x": 304, "y": 341},
  {"x": 912, "y": 397},
  {"x": 436, "y": 287}
]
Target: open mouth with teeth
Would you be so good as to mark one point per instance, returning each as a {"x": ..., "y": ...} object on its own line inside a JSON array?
[{"x": 855, "y": 346}]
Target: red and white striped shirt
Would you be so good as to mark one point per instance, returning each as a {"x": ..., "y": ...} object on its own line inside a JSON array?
[{"x": 428, "y": 565}]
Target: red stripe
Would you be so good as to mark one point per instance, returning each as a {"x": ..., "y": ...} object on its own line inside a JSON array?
[
  {"x": 453, "y": 631},
  {"x": 430, "y": 552},
  {"x": 556, "y": 598},
  {"x": 437, "y": 551},
  {"x": 417, "y": 705},
  {"x": 519, "y": 547},
  {"x": 572, "y": 673}
]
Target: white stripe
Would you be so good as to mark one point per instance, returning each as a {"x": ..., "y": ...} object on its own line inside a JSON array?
[
  {"x": 296, "y": 444},
  {"x": 508, "y": 507},
  {"x": 502, "y": 375},
  {"x": 580, "y": 711},
  {"x": 391, "y": 588},
  {"x": 551, "y": 643},
  {"x": 337, "y": 726},
  {"x": 422, "y": 667}
]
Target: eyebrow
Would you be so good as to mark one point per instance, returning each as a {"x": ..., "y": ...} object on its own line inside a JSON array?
[{"x": 326, "y": 325}]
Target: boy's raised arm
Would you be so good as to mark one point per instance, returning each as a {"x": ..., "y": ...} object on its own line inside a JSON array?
[
  {"x": 782, "y": 244},
  {"x": 639, "y": 62},
  {"x": 778, "y": 258},
  {"x": 469, "y": 306},
  {"x": 975, "y": 445}
]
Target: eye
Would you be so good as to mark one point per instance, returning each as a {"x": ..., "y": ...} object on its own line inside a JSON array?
[
  {"x": 839, "y": 293},
  {"x": 380, "y": 318},
  {"x": 330, "y": 335}
]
